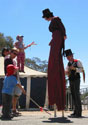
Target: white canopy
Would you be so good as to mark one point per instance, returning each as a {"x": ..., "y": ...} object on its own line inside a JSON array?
[{"x": 28, "y": 71}]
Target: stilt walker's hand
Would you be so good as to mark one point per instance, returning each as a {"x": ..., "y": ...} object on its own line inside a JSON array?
[{"x": 65, "y": 37}]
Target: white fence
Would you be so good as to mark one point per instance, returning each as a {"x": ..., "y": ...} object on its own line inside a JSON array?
[{"x": 84, "y": 101}]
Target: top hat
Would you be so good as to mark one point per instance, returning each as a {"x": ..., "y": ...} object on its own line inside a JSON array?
[
  {"x": 68, "y": 52},
  {"x": 47, "y": 13}
]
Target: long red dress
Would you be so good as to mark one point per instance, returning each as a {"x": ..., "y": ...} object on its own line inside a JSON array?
[{"x": 56, "y": 76}]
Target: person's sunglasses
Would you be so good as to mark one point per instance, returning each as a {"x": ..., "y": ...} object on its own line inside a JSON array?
[{"x": 14, "y": 53}]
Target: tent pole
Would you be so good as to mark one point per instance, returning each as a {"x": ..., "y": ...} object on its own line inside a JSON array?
[
  {"x": 28, "y": 91},
  {"x": 46, "y": 98}
]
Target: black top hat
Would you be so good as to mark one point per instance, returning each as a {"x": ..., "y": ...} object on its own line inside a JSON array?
[
  {"x": 68, "y": 52},
  {"x": 47, "y": 13}
]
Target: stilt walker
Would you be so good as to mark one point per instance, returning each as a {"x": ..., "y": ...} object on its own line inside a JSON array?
[{"x": 56, "y": 76}]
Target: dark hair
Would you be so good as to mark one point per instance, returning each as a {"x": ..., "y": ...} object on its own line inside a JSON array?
[{"x": 3, "y": 50}]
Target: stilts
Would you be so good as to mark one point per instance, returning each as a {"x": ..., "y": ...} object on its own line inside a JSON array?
[
  {"x": 62, "y": 113},
  {"x": 55, "y": 111},
  {"x": 55, "y": 108}
]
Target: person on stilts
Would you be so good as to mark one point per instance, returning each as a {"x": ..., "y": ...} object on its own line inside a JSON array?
[{"x": 56, "y": 75}]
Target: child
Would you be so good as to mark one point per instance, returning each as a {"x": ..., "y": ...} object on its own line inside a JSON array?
[
  {"x": 10, "y": 82},
  {"x": 11, "y": 59},
  {"x": 21, "y": 54}
]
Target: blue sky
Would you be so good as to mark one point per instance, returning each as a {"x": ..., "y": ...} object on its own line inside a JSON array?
[{"x": 25, "y": 17}]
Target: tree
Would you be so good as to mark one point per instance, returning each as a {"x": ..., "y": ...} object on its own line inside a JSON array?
[
  {"x": 36, "y": 64},
  {"x": 9, "y": 42},
  {"x": 5, "y": 41},
  {"x": 2, "y": 41}
]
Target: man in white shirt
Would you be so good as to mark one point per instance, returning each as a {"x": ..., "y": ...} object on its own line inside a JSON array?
[{"x": 73, "y": 70}]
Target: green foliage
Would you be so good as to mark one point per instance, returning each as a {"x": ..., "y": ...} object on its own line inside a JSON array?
[
  {"x": 84, "y": 95},
  {"x": 5, "y": 41},
  {"x": 36, "y": 64}
]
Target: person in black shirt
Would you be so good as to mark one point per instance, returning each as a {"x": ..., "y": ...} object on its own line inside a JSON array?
[
  {"x": 10, "y": 60},
  {"x": 73, "y": 70}
]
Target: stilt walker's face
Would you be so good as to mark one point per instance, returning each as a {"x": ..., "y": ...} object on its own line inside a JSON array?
[{"x": 48, "y": 19}]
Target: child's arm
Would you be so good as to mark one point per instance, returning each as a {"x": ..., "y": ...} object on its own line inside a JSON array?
[
  {"x": 23, "y": 91},
  {"x": 33, "y": 43}
]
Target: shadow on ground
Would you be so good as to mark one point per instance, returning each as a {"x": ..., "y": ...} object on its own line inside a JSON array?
[{"x": 58, "y": 120}]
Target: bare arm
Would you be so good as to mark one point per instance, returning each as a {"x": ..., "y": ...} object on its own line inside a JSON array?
[
  {"x": 23, "y": 91},
  {"x": 83, "y": 75},
  {"x": 33, "y": 43},
  {"x": 67, "y": 71}
]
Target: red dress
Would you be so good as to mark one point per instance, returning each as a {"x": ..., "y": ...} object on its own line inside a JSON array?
[{"x": 56, "y": 76}]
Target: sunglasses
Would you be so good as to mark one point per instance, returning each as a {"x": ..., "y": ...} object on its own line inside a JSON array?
[{"x": 14, "y": 53}]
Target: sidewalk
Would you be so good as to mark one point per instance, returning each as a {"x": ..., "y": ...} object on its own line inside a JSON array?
[{"x": 42, "y": 118}]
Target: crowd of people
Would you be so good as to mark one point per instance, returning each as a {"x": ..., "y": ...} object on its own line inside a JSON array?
[
  {"x": 12, "y": 88},
  {"x": 13, "y": 64}
]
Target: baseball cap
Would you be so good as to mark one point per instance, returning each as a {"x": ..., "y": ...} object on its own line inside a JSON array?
[
  {"x": 10, "y": 69},
  {"x": 19, "y": 36}
]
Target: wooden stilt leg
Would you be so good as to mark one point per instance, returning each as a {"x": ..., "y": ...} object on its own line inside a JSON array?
[
  {"x": 62, "y": 113},
  {"x": 55, "y": 110}
]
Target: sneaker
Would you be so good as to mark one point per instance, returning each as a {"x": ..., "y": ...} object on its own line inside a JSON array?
[
  {"x": 16, "y": 113},
  {"x": 6, "y": 118},
  {"x": 73, "y": 114}
]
